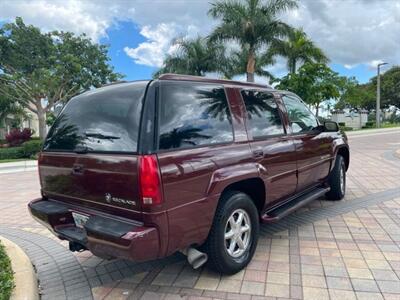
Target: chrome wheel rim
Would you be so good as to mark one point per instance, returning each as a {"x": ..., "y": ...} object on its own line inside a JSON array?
[
  {"x": 342, "y": 180},
  {"x": 237, "y": 233}
]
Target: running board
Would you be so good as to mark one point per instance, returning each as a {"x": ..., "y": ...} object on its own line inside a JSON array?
[{"x": 278, "y": 213}]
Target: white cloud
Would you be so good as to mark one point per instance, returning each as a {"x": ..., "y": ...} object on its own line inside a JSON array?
[
  {"x": 349, "y": 67},
  {"x": 152, "y": 52},
  {"x": 373, "y": 64},
  {"x": 351, "y": 32},
  {"x": 88, "y": 17}
]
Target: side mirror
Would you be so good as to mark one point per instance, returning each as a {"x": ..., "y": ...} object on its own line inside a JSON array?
[{"x": 331, "y": 126}]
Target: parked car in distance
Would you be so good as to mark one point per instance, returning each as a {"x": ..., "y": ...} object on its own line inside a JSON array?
[{"x": 141, "y": 170}]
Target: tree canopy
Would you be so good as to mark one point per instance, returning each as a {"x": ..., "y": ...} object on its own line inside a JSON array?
[
  {"x": 363, "y": 96},
  {"x": 253, "y": 24},
  {"x": 297, "y": 48},
  {"x": 194, "y": 57},
  {"x": 314, "y": 83},
  {"x": 39, "y": 70}
]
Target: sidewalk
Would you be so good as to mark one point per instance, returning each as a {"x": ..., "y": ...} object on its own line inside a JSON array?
[
  {"x": 366, "y": 132},
  {"x": 18, "y": 166}
]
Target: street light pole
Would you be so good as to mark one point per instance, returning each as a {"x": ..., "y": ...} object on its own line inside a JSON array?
[{"x": 378, "y": 96}]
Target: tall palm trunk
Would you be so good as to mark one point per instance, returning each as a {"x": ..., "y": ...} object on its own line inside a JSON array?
[
  {"x": 292, "y": 65},
  {"x": 251, "y": 62}
]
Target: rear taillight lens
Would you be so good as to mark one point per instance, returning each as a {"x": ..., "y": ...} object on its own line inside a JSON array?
[{"x": 149, "y": 180}]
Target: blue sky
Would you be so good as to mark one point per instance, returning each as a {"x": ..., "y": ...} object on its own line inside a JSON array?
[
  {"x": 120, "y": 36},
  {"x": 355, "y": 34}
]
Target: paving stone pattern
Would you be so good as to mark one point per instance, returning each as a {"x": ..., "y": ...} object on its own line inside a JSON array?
[{"x": 328, "y": 250}]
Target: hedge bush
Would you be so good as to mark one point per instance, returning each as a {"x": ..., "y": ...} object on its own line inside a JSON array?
[
  {"x": 369, "y": 124},
  {"x": 6, "y": 275},
  {"x": 17, "y": 136},
  {"x": 11, "y": 153},
  {"x": 26, "y": 150},
  {"x": 31, "y": 148}
]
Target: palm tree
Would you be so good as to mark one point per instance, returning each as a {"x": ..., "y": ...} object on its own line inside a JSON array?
[
  {"x": 194, "y": 57},
  {"x": 298, "y": 48},
  {"x": 177, "y": 136},
  {"x": 237, "y": 64},
  {"x": 251, "y": 23}
]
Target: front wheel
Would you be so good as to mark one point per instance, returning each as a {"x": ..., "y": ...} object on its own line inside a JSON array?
[
  {"x": 234, "y": 233},
  {"x": 337, "y": 180}
]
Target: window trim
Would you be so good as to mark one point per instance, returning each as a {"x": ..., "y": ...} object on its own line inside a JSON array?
[
  {"x": 248, "y": 129},
  {"x": 290, "y": 95},
  {"x": 158, "y": 108}
]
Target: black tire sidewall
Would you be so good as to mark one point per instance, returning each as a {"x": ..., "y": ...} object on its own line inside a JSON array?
[
  {"x": 236, "y": 201},
  {"x": 336, "y": 192}
]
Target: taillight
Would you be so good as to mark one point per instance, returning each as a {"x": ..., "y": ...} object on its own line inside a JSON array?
[{"x": 149, "y": 180}]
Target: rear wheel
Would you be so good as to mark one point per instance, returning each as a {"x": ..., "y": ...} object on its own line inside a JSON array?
[
  {"x": 234, "y": 234},
  {"x": 337, "y": 180}
]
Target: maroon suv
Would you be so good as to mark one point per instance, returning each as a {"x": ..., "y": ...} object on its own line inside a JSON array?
[{"x": 140, "y": 170}]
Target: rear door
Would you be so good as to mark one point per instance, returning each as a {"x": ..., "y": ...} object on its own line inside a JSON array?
[
  {"x": 90, "y": 154},
  {"x": 313, "y": 146},
  {"x": 271, "y": 146}
]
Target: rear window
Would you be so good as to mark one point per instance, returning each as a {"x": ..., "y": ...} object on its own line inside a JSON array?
[
  {"x": 102, "y": 120},
  {"x": 193, "y": 114}
]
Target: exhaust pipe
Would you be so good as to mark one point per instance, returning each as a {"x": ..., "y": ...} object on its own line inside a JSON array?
[{"x": 195, "y": 258}]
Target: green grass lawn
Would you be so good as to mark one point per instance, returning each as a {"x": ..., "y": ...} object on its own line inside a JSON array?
[{"x": 6, "y": 275}]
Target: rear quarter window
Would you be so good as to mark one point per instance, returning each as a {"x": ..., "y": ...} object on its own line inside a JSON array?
[
  {"x": 193, "y": 114},
  {"x": 102, "y": 120}
]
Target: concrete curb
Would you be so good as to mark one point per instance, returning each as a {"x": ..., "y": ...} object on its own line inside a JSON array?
[
  {"x": 26, "y": 284},
  {"x": 19, "y": 166}
]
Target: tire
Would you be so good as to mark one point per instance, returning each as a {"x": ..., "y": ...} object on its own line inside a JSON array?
[
  {"x": 336, "y": 179},
  {"x": 227, "y": 261}
]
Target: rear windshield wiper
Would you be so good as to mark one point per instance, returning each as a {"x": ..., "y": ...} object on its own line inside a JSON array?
[
  {"x": 101, "y": 136},
  {"x": 82, "y": 149}
]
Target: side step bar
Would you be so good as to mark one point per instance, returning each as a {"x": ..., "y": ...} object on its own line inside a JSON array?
[{"x": 278, "y": 213}]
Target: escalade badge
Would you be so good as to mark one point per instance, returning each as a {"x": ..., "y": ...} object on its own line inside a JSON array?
[{"x": 110, "y": 199}]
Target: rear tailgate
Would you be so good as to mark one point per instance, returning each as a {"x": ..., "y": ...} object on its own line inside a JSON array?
[
  {"x": 89, "y": 158},
  {"x": 94, "y": 181}
]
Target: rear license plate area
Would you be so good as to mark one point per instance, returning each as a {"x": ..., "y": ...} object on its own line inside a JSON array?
[{"x": 80, "y": 219}]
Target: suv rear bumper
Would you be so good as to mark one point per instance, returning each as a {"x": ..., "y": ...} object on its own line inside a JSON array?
[{"x": 104, "y": 236}]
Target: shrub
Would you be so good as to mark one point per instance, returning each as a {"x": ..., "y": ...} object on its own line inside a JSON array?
[
  {"x": 16, "y": 136},
  {"x": 6, "y": 275},
  {"x": 11, "y": 153},
  {"x": 342, "y": 124},
  {"x": 31, "y": 148},
  {"x": 369, "y": 124}
]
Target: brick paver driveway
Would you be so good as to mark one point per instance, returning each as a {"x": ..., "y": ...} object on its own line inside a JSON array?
[{"x": 329, "y": 250}]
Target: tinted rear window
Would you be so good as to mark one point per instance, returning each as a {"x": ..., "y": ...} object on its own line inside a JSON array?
[
  {"x": 104, "y": 120},
  {"x": 193, "y": 114}
]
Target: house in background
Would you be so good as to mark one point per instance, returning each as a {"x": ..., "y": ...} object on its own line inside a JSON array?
[
  {"x": 10, "y": 121},
  {"x": 353, "y": 119}
]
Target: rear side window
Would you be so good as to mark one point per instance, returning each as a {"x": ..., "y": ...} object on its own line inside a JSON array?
[
  {"x": 193, "y": 114},
  {"x": 263, "y": 117},
  {"x": 102, "y": 120}
]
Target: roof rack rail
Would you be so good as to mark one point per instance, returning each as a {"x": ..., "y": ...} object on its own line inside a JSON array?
[
  {"x": 114, "y": 82},
  {"x": 171, "y": 76}
]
